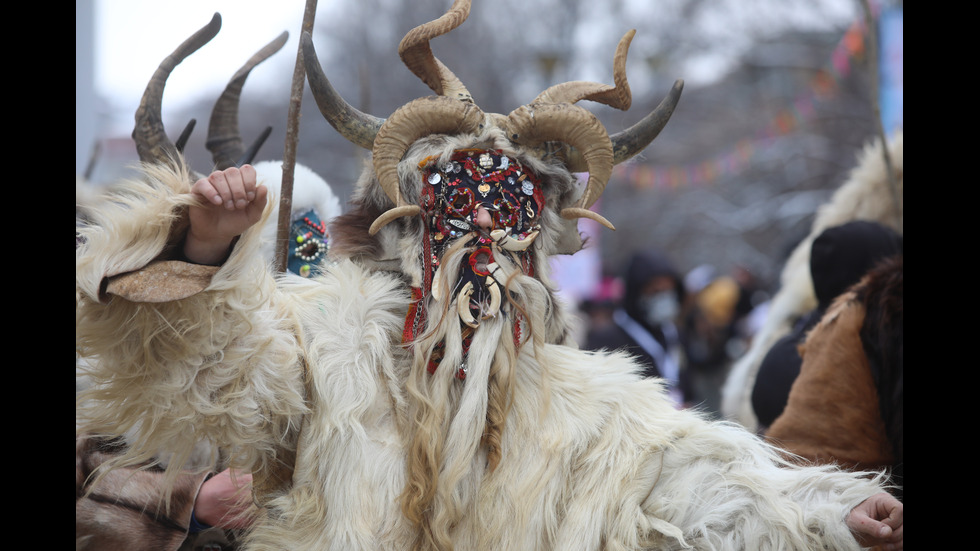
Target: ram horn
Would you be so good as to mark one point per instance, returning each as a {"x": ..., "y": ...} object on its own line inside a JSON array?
[
  {"x": 224, "y": 140},
  {"x": 418, "y": 118},
  {"x": 533, "y": 124},
  {"x": 152, "y": 143},
  {"x": 355, "y": 126}
]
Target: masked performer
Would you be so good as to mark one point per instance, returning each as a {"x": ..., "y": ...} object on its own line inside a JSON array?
[{"x": 421, "y": 392}]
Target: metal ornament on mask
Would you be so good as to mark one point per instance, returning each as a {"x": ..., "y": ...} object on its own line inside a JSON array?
[
  {"x": 470, "y": 179},
  {"x": 660, "y": 308}
]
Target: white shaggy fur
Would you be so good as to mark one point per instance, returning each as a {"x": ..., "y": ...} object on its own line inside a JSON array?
[
  {"x": 864, "y": 196},
  {"x": 306, "y": 383}
]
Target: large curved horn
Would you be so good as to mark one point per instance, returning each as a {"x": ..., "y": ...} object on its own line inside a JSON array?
[
  {"x": 417, "y": 55},
  {"x": 357, "y": 127},
  {"x": 224, "y": 140},
  {"x": 634, "y": 139},
  {"x": 564, "y": 122},
  {"x": 152, "y": 143},
  {"x": 418, "y": 118}
]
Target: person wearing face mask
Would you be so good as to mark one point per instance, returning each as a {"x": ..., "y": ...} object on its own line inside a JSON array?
[{"x": 645, "y": 324}]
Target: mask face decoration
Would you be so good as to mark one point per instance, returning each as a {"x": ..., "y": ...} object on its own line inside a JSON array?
[{"x": 454, "y": 192}]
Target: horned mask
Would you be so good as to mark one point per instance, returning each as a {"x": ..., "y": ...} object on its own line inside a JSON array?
[{"x": 440, "y": 158}]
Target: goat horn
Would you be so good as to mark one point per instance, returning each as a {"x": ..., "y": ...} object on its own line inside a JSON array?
[
  {"x": 224, "y": 140},
  {"x": 618, "y": 96},
  {"x": 418, "y": 118},
  {"x": 152, "y": 143},
  {"x": 417, "y": 55},
  {"x": 185, "y": 135},
  {"x": 627, "y": 143},
  {"x": 357, "y": 127},
  {"x": 634, "y": 139},
  {"x": 253, "y": 150}
]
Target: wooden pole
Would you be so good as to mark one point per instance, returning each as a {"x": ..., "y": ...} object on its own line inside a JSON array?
[{"x": 292, "y": 138}]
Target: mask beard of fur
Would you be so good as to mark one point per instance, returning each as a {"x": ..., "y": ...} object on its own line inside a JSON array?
[{"x": 457, "y": 423}]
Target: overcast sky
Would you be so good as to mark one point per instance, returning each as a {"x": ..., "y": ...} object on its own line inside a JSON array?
[{"x": 127, "y": 50}]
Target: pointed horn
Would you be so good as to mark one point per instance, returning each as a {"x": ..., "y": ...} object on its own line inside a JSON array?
[
  {"x": 417, "y": 55},
  {"x": 357, "y": 127},
  {"x": 224, "y": 140},
  {"x": 634, "y": 139},
  {"x": 253, "y": 150},
  {"x": 628, "y": 143},
  {"x": 418, "y": 118},
  {"x": 152, "y": 143},
  {"x": 618, "y": 96},
  {"x": 181, "y": 142}
]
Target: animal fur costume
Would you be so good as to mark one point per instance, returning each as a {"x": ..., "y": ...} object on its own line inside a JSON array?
[
  {"x": 866, "y": 195},
  {"x": 140, "y": 508},
  {"x": 325, "y": 388},
  {"x": 846, "y": 405}
]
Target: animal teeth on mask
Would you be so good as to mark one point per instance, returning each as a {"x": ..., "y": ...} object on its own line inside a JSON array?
[
  {"x": 463, "y": 306},
  {"x": 510, "y": 243},
  {"x": 463, "y": 302},
  {"x": 494, "y": 292}
]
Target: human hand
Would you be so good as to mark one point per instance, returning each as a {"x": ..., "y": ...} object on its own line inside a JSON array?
[
  {"x": 229, "y": 202},
  {"x": 225, "y": 500},
  {"x": 878, "y": 520}
]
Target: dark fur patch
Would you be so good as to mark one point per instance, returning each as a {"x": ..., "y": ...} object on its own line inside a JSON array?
[
  {"x": 349, "y": 235},
  {"x": 883, "y": 337}
]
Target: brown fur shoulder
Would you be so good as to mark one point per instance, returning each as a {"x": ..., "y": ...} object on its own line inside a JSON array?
[{"x": 831, "y": 415}]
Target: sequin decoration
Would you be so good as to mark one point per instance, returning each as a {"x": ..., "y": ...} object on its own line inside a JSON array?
[{"x": 308, "y": 244}]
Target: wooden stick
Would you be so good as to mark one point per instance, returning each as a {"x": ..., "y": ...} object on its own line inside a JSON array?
[{"x": 292, "y": 138}]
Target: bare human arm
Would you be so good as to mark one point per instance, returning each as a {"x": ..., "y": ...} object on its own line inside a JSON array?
[
  {"x": 878, "y": 520},
  {"x": 230, "y": 202}
]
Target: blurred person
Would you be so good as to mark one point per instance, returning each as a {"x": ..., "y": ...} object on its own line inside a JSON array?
[
  {"x": 646, "y": 322},
  {"x": 873, "y": 191},
  {"x": 602, "y": 302},
  {"x": 709, "y": 327},
  {"x": 839, "y": 257},
  {"x": 846, "y": 405}
]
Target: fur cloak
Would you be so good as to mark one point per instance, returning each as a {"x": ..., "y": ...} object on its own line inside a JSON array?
[{"x": 307, "y": 383}]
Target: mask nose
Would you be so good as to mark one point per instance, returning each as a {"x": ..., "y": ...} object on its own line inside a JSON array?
[{"x": 482, "y": 218}]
